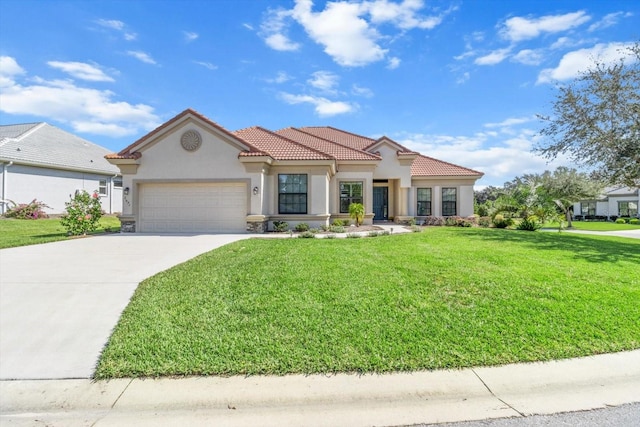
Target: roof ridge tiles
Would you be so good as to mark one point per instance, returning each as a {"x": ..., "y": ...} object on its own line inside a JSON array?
[{"x": 331, "y": 141}]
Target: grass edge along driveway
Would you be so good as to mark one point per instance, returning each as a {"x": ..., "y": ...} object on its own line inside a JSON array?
[{"x": 444, "y": 298}]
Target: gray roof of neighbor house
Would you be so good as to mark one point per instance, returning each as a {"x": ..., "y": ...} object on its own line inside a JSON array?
[{"x": 41, "y": 144}]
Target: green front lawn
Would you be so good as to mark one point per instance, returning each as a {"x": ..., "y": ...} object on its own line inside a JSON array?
[
  {"x": 443, "y": 298},
  {"x": 597, "y": 226},
  {"x": 22, "y": 232}
]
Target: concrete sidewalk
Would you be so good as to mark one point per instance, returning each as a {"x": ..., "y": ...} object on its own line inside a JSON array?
[{"x": 339, "y": 400}]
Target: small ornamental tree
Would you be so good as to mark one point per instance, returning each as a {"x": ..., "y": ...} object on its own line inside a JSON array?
[
  {"x": 83, "y": 213},
  {"x": 356, "y": 211}
]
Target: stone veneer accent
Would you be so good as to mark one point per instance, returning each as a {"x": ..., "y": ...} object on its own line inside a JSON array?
[
  {"x": 127, "y": 225},
  {"x": 257, "y": 224}
]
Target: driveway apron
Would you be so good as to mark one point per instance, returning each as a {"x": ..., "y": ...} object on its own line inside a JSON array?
[{"x": 59, "y": 302}]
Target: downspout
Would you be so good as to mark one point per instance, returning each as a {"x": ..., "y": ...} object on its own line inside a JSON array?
[
  {"x": 5, "y": 166},
  {"x": 111, "y": 193}
]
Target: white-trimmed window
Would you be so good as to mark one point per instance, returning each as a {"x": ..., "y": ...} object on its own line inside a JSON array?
[
  {"x": 588, "y": 208},
  {"x": 627, "y": 209},
  {"x": 103, "y": 187}
]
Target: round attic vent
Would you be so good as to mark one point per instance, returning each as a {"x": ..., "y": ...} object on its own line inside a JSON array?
[{"x": 191, "y": 140}]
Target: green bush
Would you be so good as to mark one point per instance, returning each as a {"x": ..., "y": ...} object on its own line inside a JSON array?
[
  {"x": 484, "y": 221},
  {"x": 356, "y": 212},
  {"x": 620, "y": 221},
  {"x": 500, "y": 221},
  {"x": 634, "y": 221},
  {"x": 529, "y": 224},
  {"x": 338, "y": 223},
  {"x": 330, "y": 236},
  {"x": 280, "y": 226},
  {"x": 32, "y": 210},
  {"x": 306, "y": 235},
  {"x": 353, "y": 236},
  {"x": 373, "y": 234},
  {"x": 83, "y": 212},
  {"x": 303, "y": 226},
  {"x": 336, "y": 229}
]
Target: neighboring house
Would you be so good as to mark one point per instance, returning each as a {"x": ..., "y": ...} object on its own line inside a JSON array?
[
  {"x": 43, "y": 162},
  {"x": 191, "y": 175},
  {"x": 613, "y": 203}
]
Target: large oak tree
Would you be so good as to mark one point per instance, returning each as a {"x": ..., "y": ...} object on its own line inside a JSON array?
[{"x": 596, "y": 120}]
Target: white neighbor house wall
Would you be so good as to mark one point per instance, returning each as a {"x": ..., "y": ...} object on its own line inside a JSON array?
[
  {"x": 608, "y": 206},
  {"x": 55, "y": 187}
]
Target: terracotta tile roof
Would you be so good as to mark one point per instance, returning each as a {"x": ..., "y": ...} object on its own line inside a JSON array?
[
  {"x": 278, "y": 146},
  {"x": 338, "y": 151},
  {"x": 342, "y": 137},
  {"x": 428, "y": 166}
]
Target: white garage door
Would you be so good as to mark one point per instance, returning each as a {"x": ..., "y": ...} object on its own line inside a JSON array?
[{"x": 193, "y": 207}]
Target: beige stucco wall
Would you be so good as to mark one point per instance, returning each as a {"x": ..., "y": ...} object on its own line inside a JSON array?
[
  {"x": 464, "y": 194},
  {"x": 165, "y": 160},
  {"x": 390, "y": 167}
]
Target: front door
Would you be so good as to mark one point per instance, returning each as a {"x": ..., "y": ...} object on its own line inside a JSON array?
[{"x": 381, "y": 203}]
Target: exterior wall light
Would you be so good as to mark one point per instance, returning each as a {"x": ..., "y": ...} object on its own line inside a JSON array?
[
  {"x": 126, "y": 191},
  {"x": 256, "y": 190}
]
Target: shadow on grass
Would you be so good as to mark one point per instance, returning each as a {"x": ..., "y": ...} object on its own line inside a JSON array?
[{"x": 590, "y": 248}]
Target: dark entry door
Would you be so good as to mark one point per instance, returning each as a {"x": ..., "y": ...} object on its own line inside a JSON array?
[{"x": 381, "y": 203}]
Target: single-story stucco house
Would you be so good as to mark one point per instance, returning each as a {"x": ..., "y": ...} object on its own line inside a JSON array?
[
  {"x": 40, "y": 161},
  {"x": 614, "y": 202},
  {"x": 192, "y": 175}
]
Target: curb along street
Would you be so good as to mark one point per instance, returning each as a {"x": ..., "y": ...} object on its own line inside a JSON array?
[{"x": 337, "y": 400}]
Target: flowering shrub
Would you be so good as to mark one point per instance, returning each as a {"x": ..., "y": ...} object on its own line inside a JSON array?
[
  {"x": 33, "y": 210},
  {"x": 83, "y": 213}
]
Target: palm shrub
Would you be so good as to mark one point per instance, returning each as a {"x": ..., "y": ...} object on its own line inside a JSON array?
[
  {"x": 356, "y": 212},
  {"x": 501, "y": 222},
  {"x": 530, "y": 223},
  {"x": 83, "y": 212}
]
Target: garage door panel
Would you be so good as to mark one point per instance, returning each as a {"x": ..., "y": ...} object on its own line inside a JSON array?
[{"x": 193, "y": 207}]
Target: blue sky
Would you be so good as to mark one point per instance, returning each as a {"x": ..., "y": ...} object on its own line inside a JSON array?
[{"x": 461, "y": 81}]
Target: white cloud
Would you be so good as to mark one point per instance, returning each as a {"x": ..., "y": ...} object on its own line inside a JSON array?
[
  {"x": 403, "y": 15},
  {"x": 573, "y": 63},
  {"x": 81, "y": 70},
  {"x": 609, "y": 20},
  {"x": 393, "y": 63},
  {"x": 346, "y": 37},
  {"x": 9, "y": 70},
  {"x": 519, "y": 28},
  {"x": 190, "y": 36},
  {"x": 247, "y": 26},
  {"x": 141, "y": 56},
  {"x": 501, "y": 157},
  {"x": 361, "y": 91},
  {"x": 529, "y": 57},
  {"x": 280, "y": 78},
  {"x": 323, "y": 106},
  {"x": 274, "y": 31},
  {"x": 86, "y": 109},
  {"x": 348, "y": 30},
  {"x": 493, "y": 58},
  {"x": 463, "y": 78},
  {"x": 207, "y": 65},
  {"x": 281, "y": 42},
  {"x": 512, "y": 121},
  {"x": 114, "y": 24},
  {"x": 325, "y": 81},
  {"x": 119, "y": 26}
]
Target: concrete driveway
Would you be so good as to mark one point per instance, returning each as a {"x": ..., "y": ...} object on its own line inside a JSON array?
[{"x": 60, "y": 301}]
